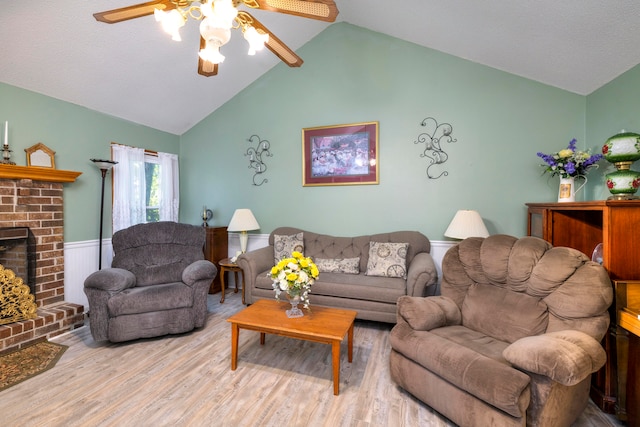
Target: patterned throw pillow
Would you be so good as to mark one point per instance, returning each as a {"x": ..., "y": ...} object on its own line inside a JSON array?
[
  {"x": 284, "y": 245},
  {"x": 387, "y": 259},
  {"x": 338, "y": 265}
]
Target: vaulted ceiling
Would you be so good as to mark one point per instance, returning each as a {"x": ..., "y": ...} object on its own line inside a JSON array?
[{"x": 134, "y": 71}]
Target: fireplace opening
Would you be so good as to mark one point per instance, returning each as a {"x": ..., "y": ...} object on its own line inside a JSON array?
[{"x": 18, "y": 253}]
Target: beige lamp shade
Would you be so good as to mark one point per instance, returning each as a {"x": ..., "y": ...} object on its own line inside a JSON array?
[
  {"x": 243, "y": 221},
  {"x": 466, "y": 223}
]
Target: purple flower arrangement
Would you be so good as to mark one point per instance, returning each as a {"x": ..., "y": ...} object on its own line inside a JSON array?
[{"x": 569, "y": 162}]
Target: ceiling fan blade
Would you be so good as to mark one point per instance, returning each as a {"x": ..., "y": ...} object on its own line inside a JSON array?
[
  {"x": 323, "y": 10},
  {"x": 274, "y": 44},
  {"x": 131, "y": 12},
  {"x": 206, "y": 68}
]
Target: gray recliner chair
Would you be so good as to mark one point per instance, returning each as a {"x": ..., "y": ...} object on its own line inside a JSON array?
[
  {"x": 512, "y": 340},
  {"x": 157, "y": 284}
]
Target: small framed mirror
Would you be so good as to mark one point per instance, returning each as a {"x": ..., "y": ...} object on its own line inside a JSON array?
[{"x": 41, "y": 156}]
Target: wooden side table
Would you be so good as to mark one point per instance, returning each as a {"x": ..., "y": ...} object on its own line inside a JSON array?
[{"x": 227, "y": 266}]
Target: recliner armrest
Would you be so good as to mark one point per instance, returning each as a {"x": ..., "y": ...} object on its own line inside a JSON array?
[
  {"x": 111, "y": 279},
  {"x": 199, "y": 270},
  {"x": 425, "y": 314},
  {"x": 567, "y": 357}
]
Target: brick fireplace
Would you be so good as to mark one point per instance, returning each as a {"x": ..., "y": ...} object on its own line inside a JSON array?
[{"x": 33, "y": 197}]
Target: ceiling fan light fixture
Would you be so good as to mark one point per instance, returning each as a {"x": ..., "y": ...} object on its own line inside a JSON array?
[
  {"x": 224, "y": 13},
  {"x": 211, "y": 53},
  {"x": 212, "y": 33},
  {"x": 256, "y": 40},
  {"x": 171, "y": 22}
]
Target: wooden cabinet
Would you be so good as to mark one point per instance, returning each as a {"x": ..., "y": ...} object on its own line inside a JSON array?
[
  {"x": 216, "y": 248},
  {"x": 583, "y": 225},
  {"x": 628, "y": 348}
]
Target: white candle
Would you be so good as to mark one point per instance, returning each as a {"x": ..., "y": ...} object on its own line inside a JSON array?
[{"x": 6, "y": 133}]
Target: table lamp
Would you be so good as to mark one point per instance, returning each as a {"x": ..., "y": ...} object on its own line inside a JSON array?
[
  {"x": 243, "y": 221},
  {"x": 466, "y": 223}
]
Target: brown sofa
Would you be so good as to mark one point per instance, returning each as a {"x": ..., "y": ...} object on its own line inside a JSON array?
[
  {"x": 512, "y": 340},
  {"x": 373, "y": 297}
]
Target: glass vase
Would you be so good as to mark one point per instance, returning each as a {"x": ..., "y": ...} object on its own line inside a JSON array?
[{"x": 294, "y": 311}]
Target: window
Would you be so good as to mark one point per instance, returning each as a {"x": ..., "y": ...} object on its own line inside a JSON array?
[
  {"x": 152, "y": 187},
  {"x": 145, "y": 187}
]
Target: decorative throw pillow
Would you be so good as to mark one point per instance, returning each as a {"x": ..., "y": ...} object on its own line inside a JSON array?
[
  {"x": 387, "y": 259},
  {"x": 338, "y": 265},
  {"x": 284, "y": 245}
]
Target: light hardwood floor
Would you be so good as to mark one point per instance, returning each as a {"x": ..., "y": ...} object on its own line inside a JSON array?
[{"x": 186, "y": 380}]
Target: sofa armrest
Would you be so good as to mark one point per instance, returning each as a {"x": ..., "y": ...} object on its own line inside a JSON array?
[
  {"x": 199, "y": 270},
  {"x": 252, "y": 264},
  {"x": 421, "y": 273},
  {"x": 566, "y": 357},
  {"x": 111, "y": 280},
  {"x": 425, "y": 314}
]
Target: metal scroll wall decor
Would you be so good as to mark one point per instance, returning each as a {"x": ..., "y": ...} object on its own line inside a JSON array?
[
  {"x": 432, "y": 137},
  {"x": 256, "y": 154}
]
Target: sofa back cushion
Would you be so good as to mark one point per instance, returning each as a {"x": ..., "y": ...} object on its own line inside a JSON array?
[
  {"x": 503, "y": 314},
  {"x": 332, "y": 247},
  {"x": 158, "y": 252},
  {"x": 284, "y": 246}
]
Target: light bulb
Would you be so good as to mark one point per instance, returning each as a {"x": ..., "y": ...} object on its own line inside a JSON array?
[
  {"x": 223, "y": 13},
  {"x": 256, "y": 40},
  {"x": 211, "y": 53},
  {"x": 171, "y": 22}
]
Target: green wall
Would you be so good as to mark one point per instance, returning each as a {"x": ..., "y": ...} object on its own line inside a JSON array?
[
  {"x": 354, "y": 75},
  {"x": 613, "y": 107},
  {"x": 76, "y": 134}
]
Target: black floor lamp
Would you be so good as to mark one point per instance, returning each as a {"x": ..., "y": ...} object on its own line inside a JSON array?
[{"x": 104, "y": 166}]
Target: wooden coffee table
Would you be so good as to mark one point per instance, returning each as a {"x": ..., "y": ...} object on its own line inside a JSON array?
[{"x": 323, "y": 325}]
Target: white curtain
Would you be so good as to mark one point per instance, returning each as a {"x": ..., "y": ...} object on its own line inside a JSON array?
[
  {"x": 169, "y": 187},
  {"x": 129, "y": 187}
]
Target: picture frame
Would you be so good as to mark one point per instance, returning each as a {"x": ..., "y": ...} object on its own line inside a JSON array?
[
  {"x": 340, "y": 155},
  {"x": 40, "y": 155}
]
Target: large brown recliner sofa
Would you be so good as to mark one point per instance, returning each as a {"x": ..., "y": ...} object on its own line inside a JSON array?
[
  {"x": 513, "y": 338},
  {"x": 373, "y": 297},
  {"x": 157, "y": 284}
]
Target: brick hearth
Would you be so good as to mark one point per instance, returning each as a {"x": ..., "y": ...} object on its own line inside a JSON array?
[{"x": 39, "y": 205}]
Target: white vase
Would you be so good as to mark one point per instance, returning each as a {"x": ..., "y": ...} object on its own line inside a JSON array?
[{"x": 567, "y": 190}]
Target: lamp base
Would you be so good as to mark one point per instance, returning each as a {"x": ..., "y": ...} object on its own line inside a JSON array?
[{"x": 244, "y": 238}]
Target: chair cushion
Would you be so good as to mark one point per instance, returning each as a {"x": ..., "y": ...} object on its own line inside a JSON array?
[
  {"x": 503, "y": 314},
  {"x": 151, "y": 298},
  {"x": 484, "y": 374}
]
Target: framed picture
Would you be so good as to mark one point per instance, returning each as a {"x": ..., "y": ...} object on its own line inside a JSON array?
[
  {"x": 40, "y": 155},
  {"x": 340, "y": 155}
]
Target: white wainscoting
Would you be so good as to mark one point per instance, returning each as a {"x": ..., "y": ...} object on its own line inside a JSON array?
[{"x": 81, "y": 259}]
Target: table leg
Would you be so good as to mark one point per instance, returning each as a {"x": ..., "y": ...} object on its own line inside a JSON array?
[
  {"x": 235, "y": 275},
  {"x": 262, "y": 338},
  {"x": 335, "y": 355},
  {"x": 350, "y": 343},
  {"x": 222, "y": 283},
  {"x": 235, "y": 332}
]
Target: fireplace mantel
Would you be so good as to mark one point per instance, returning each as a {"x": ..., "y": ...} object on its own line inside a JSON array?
[{"x": 37, "y": 173}]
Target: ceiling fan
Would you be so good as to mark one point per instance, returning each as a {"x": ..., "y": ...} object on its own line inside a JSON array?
[{"x": 218, "y": 17}]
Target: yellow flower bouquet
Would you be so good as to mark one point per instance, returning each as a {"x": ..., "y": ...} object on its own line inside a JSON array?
[{"x": 295, "y": 276}]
